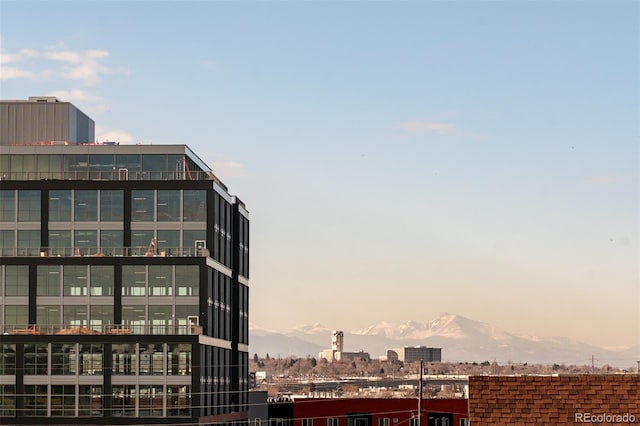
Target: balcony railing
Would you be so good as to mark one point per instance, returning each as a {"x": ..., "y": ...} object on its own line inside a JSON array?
[
  {"x": 107, "y": 175},
  {"x": 104, "y": 251},
  {"x": 101, "y": 329}
]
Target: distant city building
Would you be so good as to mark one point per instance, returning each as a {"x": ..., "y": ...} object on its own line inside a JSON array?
[
  {"x": 44, "y": 119},
  {"x": 392, "y": 355},
  {"x": 336, "y": 352}
]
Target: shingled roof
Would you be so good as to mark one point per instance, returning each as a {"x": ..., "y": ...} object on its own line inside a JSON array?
[{"x": 553, "y": 400}]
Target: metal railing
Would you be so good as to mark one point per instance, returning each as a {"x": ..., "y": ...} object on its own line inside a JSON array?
[
  {"x": 139, "y": 251},
  {"x": 86, "y": 328},
  {"x": 107, "y": 175}
]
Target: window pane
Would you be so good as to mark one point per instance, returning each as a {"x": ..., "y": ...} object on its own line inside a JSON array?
[
  {"x": 60, "y": 243},
  {"x": 75, "y": 281},
  {"x": 195, "y": 206},
  {"x": 189, "y": 241},
  {"x": 90, "y": 400},
  {"x": 7, "y": 243},
  {"x": 142, "y": 203},
  {"x": 28, "y": 206},
  {"x": 187, "y": 280},
  {"x": 133, "y": 318},
  {"x": 160, "y": 280},
  {"x": 134, "y": 278},
  {"x": 16, "y": 316},
  {"x": 49, "y": 318},
  {"x": 60, "y": 206},
  {"x": 124, "y": 360},
  {"x": 7, "y": 206},
  {"x": 49, "y": 279},
  {"x": 111, "y": 242},
  {"x": 91, "y": 358},
  {"x": 86, "y": 242},
  {"x": 28, "y": 243},
  {"x": 36, "y": 358},
  {"x": 111, "y": 206},
  {"x": 101, "y": 318},
  {"x": 141, "y": 241},
  {"x": 16, "y": 280},
  {"x": 75, "y": 315},
  {"x": 102, "y": 277},
  {"x": 168, "y": 242},
  {"x": 86, "y": 206},
  {"x": 160, "y": 319},
  {"x": 64, "y": 359},
  {"x": 7, "y": 359},
  {"x": 168, "y": 206}
]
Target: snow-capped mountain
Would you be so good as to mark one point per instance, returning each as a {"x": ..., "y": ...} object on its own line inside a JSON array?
[{"x": 460, "y": 338}]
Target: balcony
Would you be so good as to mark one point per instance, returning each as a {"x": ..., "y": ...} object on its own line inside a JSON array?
[
  {"x": 138, "y": 328},
  {"x": 105, "y": 251}
]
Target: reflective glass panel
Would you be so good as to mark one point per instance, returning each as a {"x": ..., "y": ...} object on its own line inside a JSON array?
[
  {"x": 142, "y": 203},
  {"x": 60, "y": 206},
  {"x": 168, "y": 205},
  {"x": 85, "y": 206},
  {"x": 49, "y": 281},
  {"x": 111, "y": 206},
  {"x": 195, "y": 206},
  {"x": 7, "y": 206},
  {"x": 28, "y": 206}
]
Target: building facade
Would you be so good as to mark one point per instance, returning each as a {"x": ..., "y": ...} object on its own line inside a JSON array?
[{"x": 124, "y": 287}]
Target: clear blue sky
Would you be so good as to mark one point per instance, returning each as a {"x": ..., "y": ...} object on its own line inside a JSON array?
[{"x": 399, "y": 159}]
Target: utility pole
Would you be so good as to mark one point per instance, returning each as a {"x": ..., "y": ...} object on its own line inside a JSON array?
[
  {"x": 420, "y": 396},
  {"x": 638, "y": 367},
  {"x": 593, "y": 365}
]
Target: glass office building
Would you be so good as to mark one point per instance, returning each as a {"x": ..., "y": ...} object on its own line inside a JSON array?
[{"x": 124, "y": 287}]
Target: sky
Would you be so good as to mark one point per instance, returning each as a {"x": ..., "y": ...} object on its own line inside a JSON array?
[{"x": 398, "y": 159}]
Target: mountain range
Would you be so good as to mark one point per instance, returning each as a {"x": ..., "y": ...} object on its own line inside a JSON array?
[{"x": 461, "y": 339}]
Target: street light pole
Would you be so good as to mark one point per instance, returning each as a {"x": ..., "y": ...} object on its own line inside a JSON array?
[{"x": 420, "y": 396}]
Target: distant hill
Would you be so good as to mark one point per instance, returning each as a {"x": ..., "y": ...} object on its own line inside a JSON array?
[{"x": 460, "y": 338}]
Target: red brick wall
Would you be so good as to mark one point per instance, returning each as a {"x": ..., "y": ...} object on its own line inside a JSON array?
[{"x": 553, "y": 400}]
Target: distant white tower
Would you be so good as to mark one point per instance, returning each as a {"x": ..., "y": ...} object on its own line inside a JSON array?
[{"x": 337, "y": 341}]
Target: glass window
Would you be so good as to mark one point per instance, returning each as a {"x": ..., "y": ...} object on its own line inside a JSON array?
[
  {"x": 154, "y": 165},
  {"x": 7, "y": 400},
  {"x": 91, "y": 358},
  {"x": 101, "y": 166},
  {"x": 195, "y": 206},
  {"x": 179, "y": 359},
  {"x": 63, "y": 400},
  {"x": 7, "y": 206},
  {"x": 133, "y": 318},
  {"x": 7, "y": 359},
  {"x": 151, "y": 359},
  {"x": 64, "y": 358},
  {"x": 141, "y": 241},
  {"x": 49, "y": 279},
  {"x": 60, "y": 242},
  {"x": 190, "y": 237},
  {"x": 160, "y": 319},
  {"x": 101, "y": 317},
  {"x": 16, "y": 280},
  {"x": 35, "y": 400},
  {"x": 111, "y": 206},
  {"x": 90, "y": 400},
  {"x": 7, "y": 243},
  {"x": 36, "y": 358},
  {"x": 76, "y": 166},
  {"x": 85, "y": 206},
  {"x": 123, "y": 401},
  {"x": 86, "y": 242},
  {"x": 75, "y": 280},
  {"x": 134, "y": 279},
  {"x": 160, "y": 280},
  {"x": 28, "y": 242},
  {"x": 187, "y": 280},
  {"x": 384, "y": 421},
  {"x": 29, "y": 206},
  {"x": 332, "y": 421},
  {"x": 55, "y": 166},
  {"x": 168, "y": 242},
  {"x": 60, "y": 206},
  {"x": 111, "y": 242},
  {"x": 142, "y": 203},
  {"x": 178, "y": 401},
  {"x": 16, "y": 316},
  {"x": 183, "y": 312},
  {"x": 49, "y": 318},
  {"x": 102, "y": 277},
  {"x": 168, "y": 205},
  {"x": 151, "y": 401},
  {"x": 75, "y": 315},
  {"x": 130, "y": 162},
  {"x": 124, "y": 359}
]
